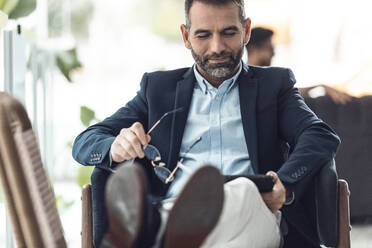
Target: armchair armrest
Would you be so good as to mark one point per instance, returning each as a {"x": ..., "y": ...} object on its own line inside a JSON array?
[
  {"x": 87, "y": 219},
  {"x": 344, "y": 227}
]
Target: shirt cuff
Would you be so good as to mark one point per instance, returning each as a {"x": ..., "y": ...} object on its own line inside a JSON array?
[{"x": 289, "y": 199}]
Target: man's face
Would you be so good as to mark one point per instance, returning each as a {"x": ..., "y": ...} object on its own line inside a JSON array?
[{"x": 216, "y": 38}]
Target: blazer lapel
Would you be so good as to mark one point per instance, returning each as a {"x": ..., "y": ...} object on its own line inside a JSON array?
[
  {"x": 184, "y": 92},
  {"x": 248, "y": 96}
]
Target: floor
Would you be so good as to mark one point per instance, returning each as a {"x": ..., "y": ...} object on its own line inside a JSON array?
[{"x": 361, "y": 236}]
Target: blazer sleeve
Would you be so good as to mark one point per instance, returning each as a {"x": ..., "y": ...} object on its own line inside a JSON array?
[
  {"x": 92, "y": 146},
  {"x": 313, "y": 143}
]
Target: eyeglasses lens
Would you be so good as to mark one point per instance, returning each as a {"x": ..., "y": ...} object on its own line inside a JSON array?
[
  {"x": 163, "y": 173},
  {"x": 152, "y": 153}
]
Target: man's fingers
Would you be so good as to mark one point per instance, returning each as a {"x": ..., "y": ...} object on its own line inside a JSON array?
[
  {"x": 126, "y": 146},
  {"x": 273, "y": 174},
  {"x": 129, "y": 143},
  {"x": 270, "y": 202},
  {"x": 135, "y": 143},
  {"x": 275, "y": 199},
  {"x": 137, "y": 128},
  {"x": 120, "y": 156},
  {"x": 118, "y": 153}
]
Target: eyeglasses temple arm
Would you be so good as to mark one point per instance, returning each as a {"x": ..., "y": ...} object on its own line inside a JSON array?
[
  {"x": 152, "y": 128},
  {"x": 181, "y": 160},
  {"x": 166, "y": 114},
  {"x": 173, "y": 172}
]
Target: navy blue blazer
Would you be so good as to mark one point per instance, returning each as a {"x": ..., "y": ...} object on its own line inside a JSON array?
[{"x": 282, "y": 134}]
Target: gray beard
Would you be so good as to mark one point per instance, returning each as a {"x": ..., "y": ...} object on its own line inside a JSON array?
[{"x": 221, "y": 70}]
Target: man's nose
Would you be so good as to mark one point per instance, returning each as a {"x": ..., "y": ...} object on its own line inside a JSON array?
[{"x": 217, "y": 45}]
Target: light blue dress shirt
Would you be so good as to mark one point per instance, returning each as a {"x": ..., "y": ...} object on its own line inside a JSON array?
[{"x": 215, "y": 117}]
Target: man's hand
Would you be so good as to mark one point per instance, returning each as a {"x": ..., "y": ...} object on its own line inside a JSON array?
[
  {"x": 128, "y": 144},
  {"x": 275, "y": 199}
]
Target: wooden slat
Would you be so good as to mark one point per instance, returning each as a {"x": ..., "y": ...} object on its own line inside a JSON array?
[
  {"x": 40, "y": 189},
  {"x": 344, "y": 227},
  {"x": 87, "y": 221},
  {"x": 11, "y": 206}
]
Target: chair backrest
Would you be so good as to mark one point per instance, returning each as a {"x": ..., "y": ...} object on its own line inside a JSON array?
[
  {"x": 352, "y": 122},
  {"x": 28, "y": 193}
]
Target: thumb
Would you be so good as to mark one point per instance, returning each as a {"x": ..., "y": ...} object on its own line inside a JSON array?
[
  {"x": 148, "y": 137},
  {"x": 273, "y": 174}
]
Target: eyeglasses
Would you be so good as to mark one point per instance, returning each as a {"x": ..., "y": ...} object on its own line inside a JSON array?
[
  {"x": 162, "y": 172},
  {"x": 153, "y": 154}
]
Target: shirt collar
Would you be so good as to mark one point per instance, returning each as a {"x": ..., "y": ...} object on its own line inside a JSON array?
[{"x": 205, "y": 85}]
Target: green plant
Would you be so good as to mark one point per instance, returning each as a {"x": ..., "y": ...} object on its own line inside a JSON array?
[
  {"x": 67, "y": 62},
  {"x": 83, "y": 175},
  {"x": 87, "y": 115},
  {"x": 17, "y": 8},
  {"x": 3, "y": 19},
  {"x": 62, "y": 204}
]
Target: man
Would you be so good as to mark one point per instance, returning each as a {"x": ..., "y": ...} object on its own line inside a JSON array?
[
  {"x": 236, "y": 118},
  {"x": 261, "y": 50},
  {"x": 260, "y": 47}
]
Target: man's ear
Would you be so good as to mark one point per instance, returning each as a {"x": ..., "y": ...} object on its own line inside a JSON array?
[
  {"x": 185, "y": 36},
  {"x": 247, "y": 31}
]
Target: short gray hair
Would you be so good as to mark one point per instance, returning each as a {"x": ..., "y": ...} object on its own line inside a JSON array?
[{"x": 239, "y": 3}]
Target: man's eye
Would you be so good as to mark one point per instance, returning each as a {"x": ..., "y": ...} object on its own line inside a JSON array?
[
  {"x": 230, "y": 34},
  {"x": 202, "y": 36}
]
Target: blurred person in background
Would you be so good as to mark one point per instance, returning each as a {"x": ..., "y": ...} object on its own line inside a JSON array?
[
  {"x": 260, "y": 47},
  {"x": 235, "y": 118},
  {"x": 261, "y": 50}
]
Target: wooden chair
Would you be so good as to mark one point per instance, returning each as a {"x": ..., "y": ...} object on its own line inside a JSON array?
[
  {"x": 28, "y": 193},
  {"x": 344, "y": 227}
]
